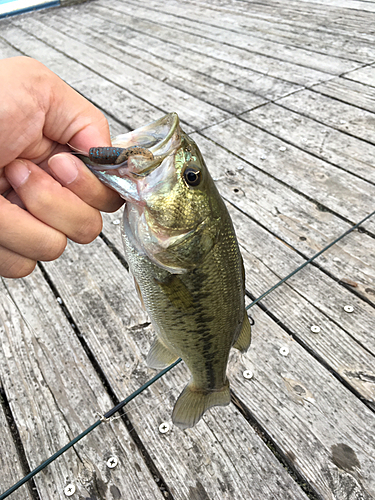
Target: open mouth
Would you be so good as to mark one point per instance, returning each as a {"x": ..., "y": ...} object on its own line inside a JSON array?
[
  {"x": 143, "y": 151},
  {"x": 139, "y": 152}
]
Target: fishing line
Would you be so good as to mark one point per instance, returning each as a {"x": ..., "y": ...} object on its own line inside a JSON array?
[
  {"x": 106, "y": 417},
  {"x": 308, "y": 261}
]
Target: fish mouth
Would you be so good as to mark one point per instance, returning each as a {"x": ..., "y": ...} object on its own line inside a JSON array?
[{"x": 159, "y": 139}]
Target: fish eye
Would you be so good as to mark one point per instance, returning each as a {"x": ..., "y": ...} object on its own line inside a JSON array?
[{"x": 192, "y": 176}]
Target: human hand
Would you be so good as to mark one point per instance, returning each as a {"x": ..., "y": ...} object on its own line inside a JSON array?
[{"x": 46, "y": 198}]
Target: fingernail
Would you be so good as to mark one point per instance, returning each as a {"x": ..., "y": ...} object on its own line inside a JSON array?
[
  {"x": 64, "y": 168},
  {"x": 17, "y": 173}
]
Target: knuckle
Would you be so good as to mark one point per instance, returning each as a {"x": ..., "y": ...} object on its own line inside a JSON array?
[
  {"x": 89, "y": 229},
  {"x": 55, "y": 247},
  {"x": 27, "y": 267},
  {"x": 16, "y": 266}
]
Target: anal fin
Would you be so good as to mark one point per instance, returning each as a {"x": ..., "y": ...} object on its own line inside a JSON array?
[
  {"x": 244, "y": 338},
  {"x": 193, "y": 402},
  {"x": 160, "y": 356}
]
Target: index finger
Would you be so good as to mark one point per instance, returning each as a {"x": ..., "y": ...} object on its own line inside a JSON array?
[{"x": 43, "y": 111}]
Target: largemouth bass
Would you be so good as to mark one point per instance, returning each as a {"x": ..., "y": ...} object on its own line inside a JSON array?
[{"x": 183, "y": 253}]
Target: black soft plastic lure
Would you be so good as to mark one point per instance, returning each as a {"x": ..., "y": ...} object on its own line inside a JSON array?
[{"x": 116, "y": 156}]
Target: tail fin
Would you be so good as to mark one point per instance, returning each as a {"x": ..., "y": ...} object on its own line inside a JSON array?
[{"x": 193, "y": 402}]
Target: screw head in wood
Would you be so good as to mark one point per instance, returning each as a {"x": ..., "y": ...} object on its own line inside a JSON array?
[
  {"x": 348, "y": 309},
  {"x": 315, "y": 328},
  {"x": 284, "y": 351},
  {"x": 164, "y": 428},
  {"x": 248, "y": 374},
  {"x": 69, "y": 490},
  {"x": 112, "y": 462}
]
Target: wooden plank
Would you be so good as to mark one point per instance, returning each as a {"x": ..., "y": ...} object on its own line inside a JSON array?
[
  {"x": 225, "y": 459},
  {"x": 245, "y": 22},
  {"x": 296, "y": 15},
  {"x": 245, "y": 40},
  {"x": 350, "y": 92},
  {"x": 334, "y": 188},
  {"x": 335, "y": 16},
  {"x": 296, "y": 220},
  {"x": 326, "y": 432},
  {"x": 365, "y": 6},
  {"x": 291, "y": 217},
  {"x": 6, "y": 50},
  {"x": 121, "y": 104},
  {"x": 334, "y": 113},
  {"x": 204, "y": 87},
  {"x": 55, "y": 394},
  {"x": 349, "y": 153},
  {"x": 306, "y": 435},
  {"x": 206, "y": 66},
  {"x": 258, "y": 62},
  {"x": 10, "y": 463},
  {"x": 364, "y": 75},
  {"x": 149, "y": 89},
  {"x": 296, "y": 306},
  {"x": 302, "y": 304}
]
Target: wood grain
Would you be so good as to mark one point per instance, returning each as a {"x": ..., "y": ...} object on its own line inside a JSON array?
[
  {"x": 280, "y": 99},
  {"x": 55, "y": 394},
  {"x": 108, "y": 315},
  {"x": 10, "y": 462}
]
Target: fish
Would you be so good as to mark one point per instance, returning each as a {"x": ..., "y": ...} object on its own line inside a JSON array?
[{"x": 182, "y": 250}]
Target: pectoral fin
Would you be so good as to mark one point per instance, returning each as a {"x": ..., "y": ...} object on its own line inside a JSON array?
[
  {"x": 244, "y": 338},
  {"x": 160, "y": 356},
  {"x": 139, "y": 293}
]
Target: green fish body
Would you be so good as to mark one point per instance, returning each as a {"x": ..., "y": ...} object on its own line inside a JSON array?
[{"x": 183, "y": 253}]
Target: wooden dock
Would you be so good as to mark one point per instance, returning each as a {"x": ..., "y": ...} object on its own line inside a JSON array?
[{"x": 280, "y": 97}]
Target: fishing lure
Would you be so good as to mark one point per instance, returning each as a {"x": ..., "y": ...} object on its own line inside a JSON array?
[{"x": 116, "y": 156}]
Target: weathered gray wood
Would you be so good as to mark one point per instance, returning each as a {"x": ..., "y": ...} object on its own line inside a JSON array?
[
  {"x": 350, "y": 92},
  {"x": 10, "y": 464},
  {"x": 334, "y": 113},
  {"x": 347, "y": 4},
  {"x": 185, "y": 78},
  {"x": 334, "y": 188},
  {"x": 349, "y": 153},
  {"x": 252, "y": 45},
  {"x": 55, "y": 394},
  {"x": 300, "y": 17},
  {"x": 328, "y": 19},
  {"x": 363, "y": 75},
  {"x": 7, "y": 50},
  {"x": 207, "y": 67},
  {"x": 245, "y": 23},
  {"x": 66, "y": 3},
  {"x": 108, "y": 314},
  {"x": 302, "y": 304},
  {"x": 323, "y": 429},
  {"x": 151, "y": 90},
  {"x": 262, "y": 63},
  {"x": 340, "y": 401},
  {"x": 298, "y": 221},
  {"x": 205, "y": 88},
  {"x": 120, "y": 103}
]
